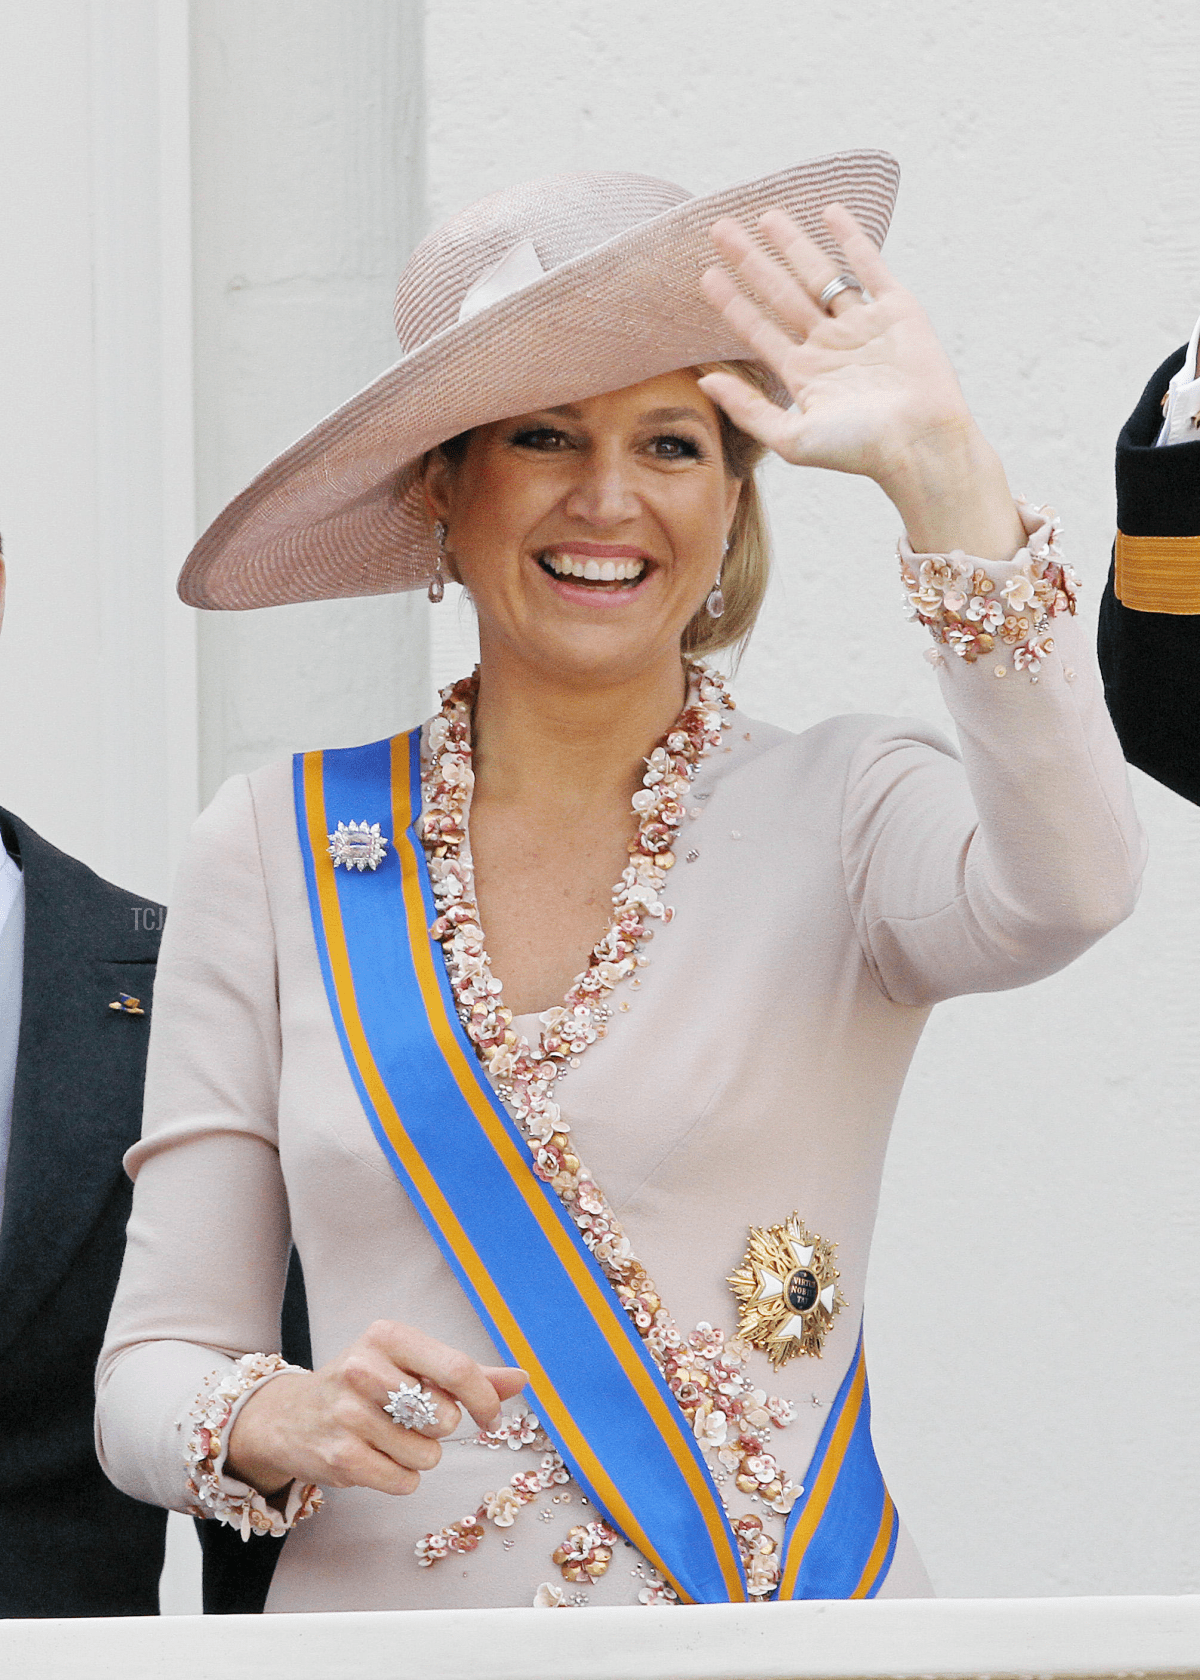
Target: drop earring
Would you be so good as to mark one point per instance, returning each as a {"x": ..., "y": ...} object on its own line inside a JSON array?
[
  {"x": 437, "y": 583},
  {"x": 715, "y": 605}
]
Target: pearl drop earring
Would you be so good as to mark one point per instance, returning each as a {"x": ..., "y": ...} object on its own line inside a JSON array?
[
  {"x": 715, "y": 604},
  {"x": 437, "y": 583}
]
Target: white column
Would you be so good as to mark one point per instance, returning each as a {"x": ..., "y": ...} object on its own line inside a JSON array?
[
  {"x": 97, "y": 662},
  {"x": 307, "y": 148}
]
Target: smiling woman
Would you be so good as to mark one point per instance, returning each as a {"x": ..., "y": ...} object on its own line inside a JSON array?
[
  {"x": 693, "y": 433},
  {"x": 613, "y": 1149}
]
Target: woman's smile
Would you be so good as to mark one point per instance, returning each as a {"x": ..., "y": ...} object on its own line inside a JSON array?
[{"x": 586, "y": 570}]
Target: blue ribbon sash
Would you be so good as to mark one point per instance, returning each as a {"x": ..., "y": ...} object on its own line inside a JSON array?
[
  {"x": 512, "y": 1245},
  {"x": 841, "y": 1535}
]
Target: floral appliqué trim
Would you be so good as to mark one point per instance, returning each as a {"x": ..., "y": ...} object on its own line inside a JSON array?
[
  {"x": 500, "y": 1507},
  {"x": 965, "y": 609},
  {"x": 219, "y": 1496},
  {"x": 730, "y": 1417},
  {"x": 656, "y": 1590}
]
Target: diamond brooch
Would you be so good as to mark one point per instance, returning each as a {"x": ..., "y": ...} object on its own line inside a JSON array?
[{"x": 357, "y": 845}]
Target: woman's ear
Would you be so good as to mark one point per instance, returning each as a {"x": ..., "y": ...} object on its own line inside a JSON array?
[{"x": 436, "y": 483}]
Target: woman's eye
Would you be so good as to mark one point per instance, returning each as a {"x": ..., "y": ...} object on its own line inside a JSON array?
[
  {"x": 672, "y": 448},
  {"x": 541, "y": 437}
]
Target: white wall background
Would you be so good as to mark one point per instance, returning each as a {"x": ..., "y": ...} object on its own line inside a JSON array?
[
  {"x": 306, "y": 194},
  {"x": 1033, "y": 1298},
  {"x": 1032, "y": 1315}
]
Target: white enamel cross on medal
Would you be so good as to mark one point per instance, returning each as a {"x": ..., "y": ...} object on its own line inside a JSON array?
[
  {"x": 787, "y": 1291},
  {"x": 357, "y": 845}
]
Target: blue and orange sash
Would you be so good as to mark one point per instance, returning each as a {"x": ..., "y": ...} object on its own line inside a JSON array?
[{"x": 513, "y": 1247}]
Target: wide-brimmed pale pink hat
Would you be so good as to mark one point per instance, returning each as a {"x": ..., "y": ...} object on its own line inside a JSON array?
[{"x": 550, "y": 292}]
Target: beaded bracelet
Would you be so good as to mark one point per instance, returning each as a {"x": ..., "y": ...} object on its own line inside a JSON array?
[
  {"x": 220, "y": 1496},
  {"x": 965, "y": 609}
]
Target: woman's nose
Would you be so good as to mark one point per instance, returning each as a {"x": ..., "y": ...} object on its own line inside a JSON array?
[{"x": 604, "y": 493}]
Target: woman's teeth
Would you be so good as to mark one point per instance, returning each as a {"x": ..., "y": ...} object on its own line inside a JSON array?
[{"x": 594, "y": 571}]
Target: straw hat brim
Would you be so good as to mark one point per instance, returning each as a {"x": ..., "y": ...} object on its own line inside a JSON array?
[{"x": 341, "y": 513}]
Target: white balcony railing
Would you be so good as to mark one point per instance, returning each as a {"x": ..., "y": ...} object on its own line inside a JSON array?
[{"x": 1077, "y": 1637}]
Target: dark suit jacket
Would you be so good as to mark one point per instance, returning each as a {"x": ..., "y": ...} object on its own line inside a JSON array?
[
  {"x": 70, "y": 1544},
  {"x": 1151, "y": 660}
]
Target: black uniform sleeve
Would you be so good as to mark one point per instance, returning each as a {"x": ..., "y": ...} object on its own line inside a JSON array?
[{"x": 1151, "y": 660}]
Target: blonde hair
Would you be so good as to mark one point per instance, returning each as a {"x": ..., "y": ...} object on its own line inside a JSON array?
[{"x": 746, "y": 568}]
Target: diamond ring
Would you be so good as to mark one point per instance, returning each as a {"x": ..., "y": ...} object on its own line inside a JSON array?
[{"x": 412, "y": 1407}]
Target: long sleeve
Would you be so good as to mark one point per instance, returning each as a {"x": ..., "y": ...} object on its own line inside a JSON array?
[
  {"x": 994, "y": 870},
  {"x": 210, "y": 1124},
  {"x": 1149, "y": 641}
]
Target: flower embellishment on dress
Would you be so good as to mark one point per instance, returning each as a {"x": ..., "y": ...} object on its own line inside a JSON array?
[
  {"x": 357, "y": 845},
  {"x": 235, "y": 1503},
  {"x": 732, "y": 1419},
  {"x": 587, "y": 1551},
  {"x": 787, "y": 1291},
  {"x": 965, "y": 609}
]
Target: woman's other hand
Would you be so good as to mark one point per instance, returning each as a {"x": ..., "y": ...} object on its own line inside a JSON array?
[
  {"x": 329, "y": 1426},
  {"x": 873, "y": 390}
]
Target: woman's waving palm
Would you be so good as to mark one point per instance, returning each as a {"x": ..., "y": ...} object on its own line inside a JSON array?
[{"x": 873, "y": 392}]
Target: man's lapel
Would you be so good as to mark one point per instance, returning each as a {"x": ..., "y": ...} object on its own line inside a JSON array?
[{"x": 80, "y": 1065}]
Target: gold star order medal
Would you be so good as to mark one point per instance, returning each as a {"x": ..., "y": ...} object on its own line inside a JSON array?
[{"x": 787, "y": 1291}]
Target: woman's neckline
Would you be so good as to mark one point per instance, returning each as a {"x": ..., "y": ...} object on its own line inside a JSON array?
[{"x": 584, "y": 1013}]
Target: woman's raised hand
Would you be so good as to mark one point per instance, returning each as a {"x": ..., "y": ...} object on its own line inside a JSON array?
[
  {"x": 873, "y": 391},
  {"x": 329, "y": 1426}
]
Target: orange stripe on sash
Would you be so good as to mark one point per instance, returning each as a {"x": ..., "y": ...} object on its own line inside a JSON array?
[
  {"x": 601, "y": 1306},
  {"x": 827, "y": 1477},
  {"x": 879, "y": 1551}
]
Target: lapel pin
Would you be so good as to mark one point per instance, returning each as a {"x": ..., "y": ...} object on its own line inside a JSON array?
[
  {"x": 126, "y": 1005},
  {"x": 357, "y": 845}
]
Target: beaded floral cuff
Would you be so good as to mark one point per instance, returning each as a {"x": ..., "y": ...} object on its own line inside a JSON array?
[
  {"x": 977, "y": 610},
  {"x": 218, "y": 1495}
]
